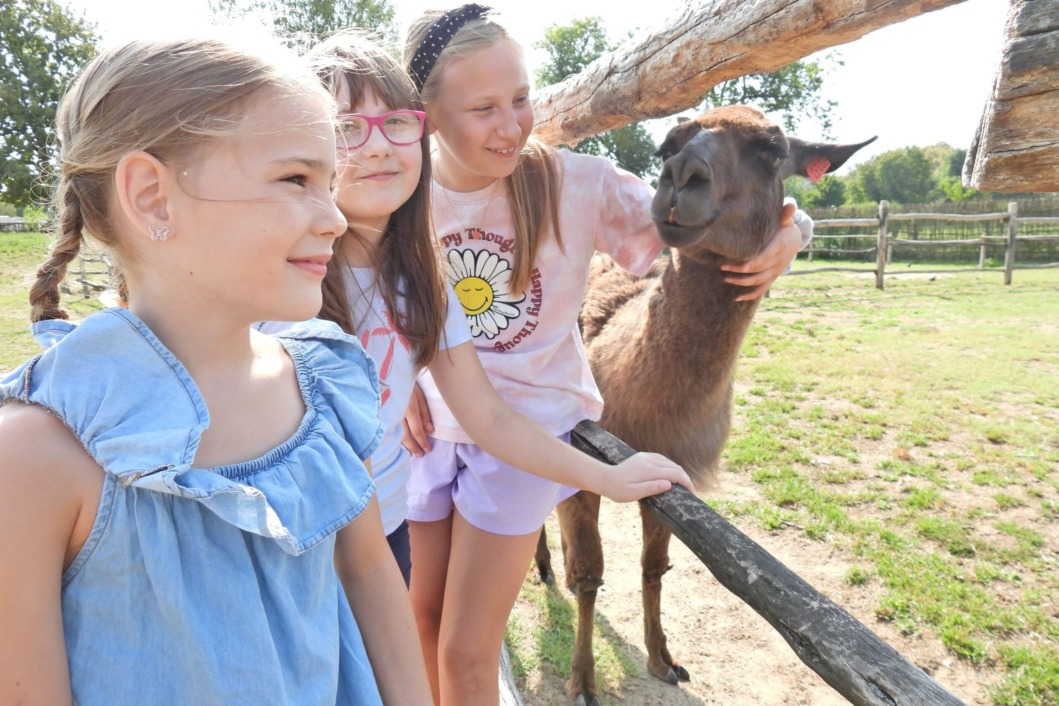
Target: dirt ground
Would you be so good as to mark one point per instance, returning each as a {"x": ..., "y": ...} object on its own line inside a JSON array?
[{"x": 734, "y": 656}]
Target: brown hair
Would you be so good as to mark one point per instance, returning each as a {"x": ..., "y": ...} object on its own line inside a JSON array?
[
  {"x": 536, "y": 182},
  {"x": 168, "y": 98},
  {"x": 406, "y": 260}
]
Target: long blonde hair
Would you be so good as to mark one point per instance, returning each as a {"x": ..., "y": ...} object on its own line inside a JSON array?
[
  {"x": 535, "y": 184},
  {"x": 406, "y": 260},
  {"x": 169, "y": 98}
]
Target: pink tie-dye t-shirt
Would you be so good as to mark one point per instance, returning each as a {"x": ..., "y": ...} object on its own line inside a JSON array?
[{"x": 528, "y": 341}]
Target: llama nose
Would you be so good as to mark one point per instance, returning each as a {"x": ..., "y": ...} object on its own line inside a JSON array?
[{"x": 691, "y": 169}]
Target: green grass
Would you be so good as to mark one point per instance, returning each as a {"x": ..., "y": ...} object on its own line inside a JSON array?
[
  {"x": 543, "y": 640},
  {"x": 916, "y": 429},
  {"x": 938, "y": 401},
  {"x": 20, "y": 255}
]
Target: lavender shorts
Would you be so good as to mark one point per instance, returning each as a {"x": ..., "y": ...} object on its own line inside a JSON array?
[{"x": 489, "y": 494}]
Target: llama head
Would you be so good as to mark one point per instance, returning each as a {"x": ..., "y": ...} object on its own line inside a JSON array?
[{"x": 721, "y": 187}]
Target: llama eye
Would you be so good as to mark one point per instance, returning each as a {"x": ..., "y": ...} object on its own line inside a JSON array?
[
  {"x": 667, "y": 149},
  {"x": 771, "y": 159}
]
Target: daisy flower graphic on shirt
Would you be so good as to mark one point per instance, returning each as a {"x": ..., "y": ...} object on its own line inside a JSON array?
[{"x": 481, "y": 280}]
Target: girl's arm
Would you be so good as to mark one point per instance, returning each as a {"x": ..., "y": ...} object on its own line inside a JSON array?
[
  {"x": 417, "y": 423},
  {"x": 46, "y": 481},
  {"x": 516, "y": 440},
  {"x": 380, "y": 603}
]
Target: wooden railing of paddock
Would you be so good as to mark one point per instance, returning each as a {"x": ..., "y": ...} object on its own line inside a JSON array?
[
  {"x": 851, "y": 658},
  {"x": 12, "y": 224},
  {"x": 885, "y": 241},
  {"x": 88, "y": 275}
]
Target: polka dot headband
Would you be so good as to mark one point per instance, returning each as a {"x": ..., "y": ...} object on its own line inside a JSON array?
[{"x": 438, "y": 37}]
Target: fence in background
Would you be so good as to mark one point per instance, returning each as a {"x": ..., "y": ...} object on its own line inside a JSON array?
[
  {"x": 885, "y": 241},
  {"x": 10, "y": 223}
]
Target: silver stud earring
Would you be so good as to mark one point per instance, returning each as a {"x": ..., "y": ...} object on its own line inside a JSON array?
[{"x": 158, "y": 232}]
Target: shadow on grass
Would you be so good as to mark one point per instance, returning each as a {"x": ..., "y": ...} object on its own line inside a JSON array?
[{"x": 620, "y": 665}]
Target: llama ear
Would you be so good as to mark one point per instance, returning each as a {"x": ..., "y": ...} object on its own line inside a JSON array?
[
  {"x": 677, "y": 137},
  {"x": 814, "y": 159}
]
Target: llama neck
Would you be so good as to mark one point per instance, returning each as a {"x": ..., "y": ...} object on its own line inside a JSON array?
[{"x": 699, "y": 303}]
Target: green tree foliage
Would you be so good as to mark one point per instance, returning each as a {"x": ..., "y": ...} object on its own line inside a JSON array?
[
  {"x": 909, "y": 175},
  {"x": 904, "y": 175},
  {"x": 829, "y": 191},
  {"x": 953, "y": 189},
  {"x": 42, "y": 45},
  {"x": 798, "y": 188},
  {"x": 571, "y": 48},
  {"x": 306, "y": 21},
  {"x": 793, "y": 93},
  {"x": 948, "y": 167},
  {"x": 35, "y": 217}
]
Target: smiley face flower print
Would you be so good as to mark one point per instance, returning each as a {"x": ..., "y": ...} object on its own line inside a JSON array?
[{"x": 481, "y": 280}]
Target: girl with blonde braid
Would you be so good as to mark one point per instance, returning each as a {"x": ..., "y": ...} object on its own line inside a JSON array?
[{"x": 186, "y": 511}]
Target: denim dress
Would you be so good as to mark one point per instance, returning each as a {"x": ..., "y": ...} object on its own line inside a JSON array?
[{"x": 208, "y": 586}]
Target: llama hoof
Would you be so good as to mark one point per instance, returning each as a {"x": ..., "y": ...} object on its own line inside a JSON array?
[
  {"x": 583, "y": 700},
  {"x": 682, "y": 674},
  {"x": 670, "y": 676}
]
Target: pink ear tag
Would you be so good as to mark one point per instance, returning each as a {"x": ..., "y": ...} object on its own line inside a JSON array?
[{"x": 816, "y": 169}]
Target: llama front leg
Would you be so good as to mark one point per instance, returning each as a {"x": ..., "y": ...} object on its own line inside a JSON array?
[
  {"x": 583, "y": 559},
  {"x": 655, "y": 562}
]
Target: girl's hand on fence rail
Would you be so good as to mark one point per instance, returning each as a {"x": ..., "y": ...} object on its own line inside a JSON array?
[
  {"x": 761, "y": 271},
  {"x": 641, "y": 475}
]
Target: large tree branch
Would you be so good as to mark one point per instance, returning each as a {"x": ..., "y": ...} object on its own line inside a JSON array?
[
  {"x": 673, "y": 68},
  {"x": 1017, "y": 144}
]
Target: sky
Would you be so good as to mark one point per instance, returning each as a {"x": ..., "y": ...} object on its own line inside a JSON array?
[{"x": 918, "y": 82}]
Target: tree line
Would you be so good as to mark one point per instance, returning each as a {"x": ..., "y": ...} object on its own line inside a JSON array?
[
  {"x": 908, "y": 175},
  {"x": 43, "y": 44}
]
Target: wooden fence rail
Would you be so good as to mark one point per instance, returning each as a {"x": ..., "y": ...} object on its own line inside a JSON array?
[
  {"x": 851, "y": 658},
  {"x": 885, "y": 241},
  {"x": 91, "y": 271},
  {"x": 10, "y": 223}
]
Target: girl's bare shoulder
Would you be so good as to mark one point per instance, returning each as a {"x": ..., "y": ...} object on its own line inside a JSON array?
[{"x": 45, "y": 473}]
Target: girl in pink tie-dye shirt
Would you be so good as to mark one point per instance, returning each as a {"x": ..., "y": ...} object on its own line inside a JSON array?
[{"x": 518, "y": 223}]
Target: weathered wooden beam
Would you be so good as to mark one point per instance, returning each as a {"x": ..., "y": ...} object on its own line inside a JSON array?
[
  {"x": 851, "y": 658},
  {"x": 673, "y": 68},
  {"x": 1016, "y": 147}
]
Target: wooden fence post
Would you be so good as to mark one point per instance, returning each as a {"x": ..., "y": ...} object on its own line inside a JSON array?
[
  {"x": 83, "y": 276},
  {"x": 1013, "y": 227},
  {"x": 880, "y": 251},
  {"x": 982, "y": 250}
]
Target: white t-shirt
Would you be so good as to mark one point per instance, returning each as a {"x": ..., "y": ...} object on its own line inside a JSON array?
[
  {"x": 529, "y": 341},
  {"x": 395, "y": 360}
]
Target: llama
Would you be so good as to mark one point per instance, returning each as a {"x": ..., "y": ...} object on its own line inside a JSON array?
[{"x": 663, "y": 348}]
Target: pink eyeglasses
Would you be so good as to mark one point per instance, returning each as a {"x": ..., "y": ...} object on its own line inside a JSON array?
[{"x": 400, "y": 127}]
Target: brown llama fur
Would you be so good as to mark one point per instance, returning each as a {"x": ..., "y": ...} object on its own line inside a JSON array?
[{"x": 663, "y": 348}]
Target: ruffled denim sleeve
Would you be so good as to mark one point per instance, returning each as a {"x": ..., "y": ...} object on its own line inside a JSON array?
[{"x": 136, "y": 410}]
